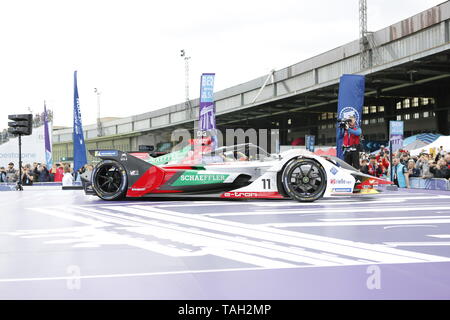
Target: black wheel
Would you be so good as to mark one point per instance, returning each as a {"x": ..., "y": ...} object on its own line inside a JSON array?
[
  {"x": 109, "y": 180},
  {"x": 304, "y": 180}
]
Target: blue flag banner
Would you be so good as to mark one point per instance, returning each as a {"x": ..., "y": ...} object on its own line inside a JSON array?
[
  {"x": 79, "y": 148},
  {"x": 47, "y": 136},
  {"x": 350, "y": 103}
]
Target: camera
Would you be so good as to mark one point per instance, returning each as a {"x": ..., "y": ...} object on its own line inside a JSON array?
[{"x": 342, "y": 123}]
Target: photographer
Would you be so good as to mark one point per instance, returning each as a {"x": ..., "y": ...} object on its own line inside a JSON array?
[
  {"x": 27, "y": 176},
  {"x": 351, "y": 143},
  {"x": 440, "y": 170},
  {"x": 372, "y": 168}
]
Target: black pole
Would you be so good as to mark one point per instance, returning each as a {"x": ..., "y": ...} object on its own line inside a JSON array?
[
  {"x": 390, "y": 160},
  {"x": 19, "y": 181}
]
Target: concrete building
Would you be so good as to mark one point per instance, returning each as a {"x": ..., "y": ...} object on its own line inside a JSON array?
[{"x": 407, "y": 78}]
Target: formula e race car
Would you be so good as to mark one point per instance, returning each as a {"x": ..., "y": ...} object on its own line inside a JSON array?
[{"x": 240, "y": 171}]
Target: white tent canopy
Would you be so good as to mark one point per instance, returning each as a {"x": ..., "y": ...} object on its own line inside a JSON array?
[{"x": 441, "y": 141}]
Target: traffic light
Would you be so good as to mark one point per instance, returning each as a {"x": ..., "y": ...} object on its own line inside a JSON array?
[{"x": 21, "y": 124}]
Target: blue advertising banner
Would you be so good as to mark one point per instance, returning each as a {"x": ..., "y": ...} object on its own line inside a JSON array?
[
  {"x": 396, "y": 135},
  {"x": 350, "y": 103},
  {"x": 310, "y": 142},
  {"x": 79, "y": 148},
  {"x": 207, "y": 114}
]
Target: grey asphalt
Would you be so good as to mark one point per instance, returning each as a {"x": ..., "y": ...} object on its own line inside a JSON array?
[{"x": 57, "y": 244}]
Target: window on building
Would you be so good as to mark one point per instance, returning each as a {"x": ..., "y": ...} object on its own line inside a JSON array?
[
  {"x": 416, "y": 115},
  {"x": 406, "y": 103},
  {"x": 415, "y": 102},
  {"x": 399, "y": 117},
  {"x": 426, "y": 114},
  {"x": 365, "y": 110},
  {"x": 373, "y": 121},
  {"x": 330, "y": 125},
  {"x": 424, "y": 101},
  {"x": 289, "y": 121},
  {"x": 380, "y": 120},
  {"x": 366, "y": 122},
  {"x": 399, "y": 105},
  {"x": 381, "y": 109},
  {"x": 407, "y": 116},
  {"x": 373, "y": 109},
  {"x": 330, "y": 115},
  {"x": 323, "y": 116}
]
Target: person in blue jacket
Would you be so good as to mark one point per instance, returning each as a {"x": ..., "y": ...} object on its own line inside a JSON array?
[{"x": 400, "y": 175}]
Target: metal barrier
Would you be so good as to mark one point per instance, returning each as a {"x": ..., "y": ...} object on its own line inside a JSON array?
[
  {"x": 429, "y": 184},
  {"x": 5, "y": 186}
]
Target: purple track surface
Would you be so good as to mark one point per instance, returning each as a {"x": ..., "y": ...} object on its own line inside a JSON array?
[{"x": 58, "y": 244}]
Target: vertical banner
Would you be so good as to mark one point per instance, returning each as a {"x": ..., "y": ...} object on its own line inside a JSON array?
[
  {"x": 310, "y": 142},
  {"x": 396, "y": 135},
  {"x": 207, "y": 114},
  {"x": 350, "y": 103},
  {"x": 47, "y": 143},
  {"x": 79, "y": 148}
]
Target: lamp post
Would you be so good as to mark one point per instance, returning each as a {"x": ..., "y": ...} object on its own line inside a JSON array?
[
  {"x": 99, "y": 123},
  {"x": 186, "y": 79}
]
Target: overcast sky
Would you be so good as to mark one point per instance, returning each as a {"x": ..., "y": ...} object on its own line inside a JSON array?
[{"x": 130, "y": 49}]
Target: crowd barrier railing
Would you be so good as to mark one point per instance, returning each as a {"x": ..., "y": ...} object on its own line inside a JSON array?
[
  {"x": 6, "y": 186},
  {"x": 429, "y": 184}
]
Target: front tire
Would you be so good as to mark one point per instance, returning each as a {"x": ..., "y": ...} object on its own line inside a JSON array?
[
  {"x": 304, "y": 180},
  {"x": 110, "y": 180}
]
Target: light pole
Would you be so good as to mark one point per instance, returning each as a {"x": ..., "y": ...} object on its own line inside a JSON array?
[{"x": 99, "y": 123}]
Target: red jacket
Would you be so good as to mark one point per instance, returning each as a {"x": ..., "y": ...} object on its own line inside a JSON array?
[
  {"x": 59, "y": 174},
  {"x": 351, "y": 136}
]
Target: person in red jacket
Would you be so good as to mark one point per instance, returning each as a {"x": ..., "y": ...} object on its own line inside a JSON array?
[
  {"x": 59, "y": 173},
  {"x": 351, "y": 144}
]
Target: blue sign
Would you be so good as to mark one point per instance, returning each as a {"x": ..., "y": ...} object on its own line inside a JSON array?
[
  {"x": 396, "y": 135},
  {"x": 79, "y": 148},
  {"x": 350, "y": 103},
  {"x": 310, "y": 142},
  {"x": 207, "y": 115}
]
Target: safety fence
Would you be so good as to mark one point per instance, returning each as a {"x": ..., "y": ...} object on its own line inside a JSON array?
[
  {"x": 429, "y": 184},
  {"x": 12, "y": 186}
]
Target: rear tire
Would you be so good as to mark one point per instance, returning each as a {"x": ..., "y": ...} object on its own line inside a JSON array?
[
  {"x": 110, "y": 180},
  {"x": 304, "y": 180}
]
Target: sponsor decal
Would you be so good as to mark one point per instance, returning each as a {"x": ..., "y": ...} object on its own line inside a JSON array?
[
  {"x": 257, "y": 195},
  {"x": 340, "y": 181},
  {"x": 141, "y": 155},
  {"x": 134, "y": 172},
  {"x": 240, "y": 194},
  {"x": 342, "y": 190},
  {"x": 334, "y": 171},
  {"x": 106, "y": 153},
  {"x": 138, "y": 189},
  {"x": 193, "y": 178},
  {"x": 123, "y": 157}
]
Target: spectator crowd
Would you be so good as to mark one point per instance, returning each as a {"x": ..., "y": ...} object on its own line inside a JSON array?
[
  {"x": 405, "y": 166},
  {"x": 38, "y": 172}
]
